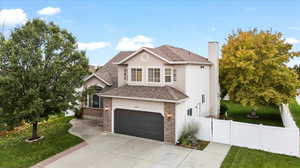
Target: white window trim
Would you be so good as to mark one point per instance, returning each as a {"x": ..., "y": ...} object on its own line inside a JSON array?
[
  {"x": 147, "y": 74},
  {"x": 129, "y": 74},
  {"x": 164, "y": 75}
]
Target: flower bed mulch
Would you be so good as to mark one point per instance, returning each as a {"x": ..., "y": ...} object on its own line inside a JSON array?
[{"x": 200, "y": 145}]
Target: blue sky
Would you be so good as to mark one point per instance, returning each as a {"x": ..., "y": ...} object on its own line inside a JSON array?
[{"x": 105, "y": 27}]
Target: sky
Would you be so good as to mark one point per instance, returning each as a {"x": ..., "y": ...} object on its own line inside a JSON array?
[{"x": 104, "y": 28}]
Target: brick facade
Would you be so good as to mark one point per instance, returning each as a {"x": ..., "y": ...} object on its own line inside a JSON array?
[
  {"x": 169, "y": 123},
  {"x": 93, "y": 113},
  {"x": 107, "y": 114}
]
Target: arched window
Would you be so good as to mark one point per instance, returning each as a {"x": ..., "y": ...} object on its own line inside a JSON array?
[{"x": 94, "y": 100}]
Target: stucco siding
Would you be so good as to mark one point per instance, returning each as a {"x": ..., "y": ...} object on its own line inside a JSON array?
[
  {"x": 121, "y": 80},
  {"x": 157, "y": 107},
  {"x": 197, "y": 83},
  {"x": 180, "y": 110}
]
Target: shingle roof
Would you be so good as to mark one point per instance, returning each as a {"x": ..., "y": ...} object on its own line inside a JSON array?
[
  {"x": 146, "y": 92},
  {"x": 109, "y": 71},
  {"x": 178, "y": 54}
]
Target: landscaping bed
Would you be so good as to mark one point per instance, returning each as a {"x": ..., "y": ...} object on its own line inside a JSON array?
[
  {"x": 268, "y": 115},
  {"x": 200, "y": 145},
  {"x": 16, "y": 153},
  {"x": 239, "y": 157}
]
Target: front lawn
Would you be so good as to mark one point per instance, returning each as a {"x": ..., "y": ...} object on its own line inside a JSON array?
[
  {"x": 15, "y": 153},
  {"x": 239, "y": 157},
  {"x": 295, "y": 110},
  {"x": 268, "y": 115}
]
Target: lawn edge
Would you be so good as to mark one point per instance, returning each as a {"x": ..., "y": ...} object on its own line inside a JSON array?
[{"x": 57, "y": 156}]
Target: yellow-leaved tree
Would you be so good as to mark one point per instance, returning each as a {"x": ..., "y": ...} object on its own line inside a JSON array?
[{"x": 253, "y": 69}]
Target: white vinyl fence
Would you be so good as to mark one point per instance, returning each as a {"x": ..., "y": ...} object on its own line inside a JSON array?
[
  {"x": 286, "y": 116},
  {"x": 268, "y": 138}
]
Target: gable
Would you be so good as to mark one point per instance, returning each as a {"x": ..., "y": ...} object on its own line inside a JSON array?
[
  {"x": 94, "y": 81},
  {"x": 144, "y": 58}
]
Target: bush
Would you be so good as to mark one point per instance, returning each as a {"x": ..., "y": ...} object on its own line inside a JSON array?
[
  {"x": 188, "y": 135},
  {"x": 78, "y": 113},
  {"x": 223, "y": 108}
]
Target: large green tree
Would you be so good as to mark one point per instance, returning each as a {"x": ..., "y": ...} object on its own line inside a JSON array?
[
  {"x": 45, "y": 67},
  {"x": 253, "y": 68}
]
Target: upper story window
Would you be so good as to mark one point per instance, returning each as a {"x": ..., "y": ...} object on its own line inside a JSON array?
[
  {"x": 190, "y": 112},
  {"x": 168, "y": 75},
  {"x": 153, "y": 74},
  {"x": 125, "y": 74},
  {"x": 202, "y": 66},
  {"x": 174, "y": 75},
  {"x": 136, "y": 74}
]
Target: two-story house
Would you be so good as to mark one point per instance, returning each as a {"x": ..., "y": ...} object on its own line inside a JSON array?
[{"x": 150, "y": 92}]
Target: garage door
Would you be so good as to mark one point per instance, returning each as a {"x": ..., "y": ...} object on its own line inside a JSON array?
[{"x": 138, "y": 123}]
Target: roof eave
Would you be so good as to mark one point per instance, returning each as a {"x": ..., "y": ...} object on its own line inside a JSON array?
[
  {"x": 98, "y": 77},
  {"x": 146, "y": 99}
]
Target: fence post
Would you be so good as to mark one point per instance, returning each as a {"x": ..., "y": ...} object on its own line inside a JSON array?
[
  {"x": 212, "y": 129},
  {"x": 230, "y": 132}
]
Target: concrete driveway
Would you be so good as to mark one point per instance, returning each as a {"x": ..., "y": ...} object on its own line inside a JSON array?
[{"x": 105, "y": 150}]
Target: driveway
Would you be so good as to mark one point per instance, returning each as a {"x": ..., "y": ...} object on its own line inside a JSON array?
[{"x": 105, "y": 150}]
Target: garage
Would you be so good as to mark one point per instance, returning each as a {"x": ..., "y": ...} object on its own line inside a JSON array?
[{"x": 139, "y": 123}]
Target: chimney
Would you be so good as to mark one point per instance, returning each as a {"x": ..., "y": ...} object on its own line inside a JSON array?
[{"x": 214, "y": 90}]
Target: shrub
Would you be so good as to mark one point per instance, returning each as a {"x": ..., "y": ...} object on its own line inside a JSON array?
[
  {"x": 188, "y": 135},
  {"x": 223, "y": 108}
]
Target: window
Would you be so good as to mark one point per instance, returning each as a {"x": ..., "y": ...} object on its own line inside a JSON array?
[
  {"x": 136, "y": 74},
  {"x": 94, "y": 100},
  {"x": 153, "y": 75},
  {"x": 202, "y": 66},
  {"x": 168, "y": 75},
  {"x": 125, "y": 74},
  {"x": 190, "y": 112},
  {"x": 174, "y": 75},
  {"x": 203, "y": 98}
]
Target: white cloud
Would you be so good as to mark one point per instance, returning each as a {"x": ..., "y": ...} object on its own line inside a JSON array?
[
  {"x": 93, "y": 45},
  {"x": 49, "y": 11},
  {"x": 134, "y": 43},
  {"x": 12, "y": 17},
  {"x": 292, "y": 40}
]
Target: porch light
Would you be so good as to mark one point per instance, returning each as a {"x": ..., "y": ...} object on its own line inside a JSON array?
[
  {"x": 169, "y": 115},
  {"x": 106, "y": 108}
]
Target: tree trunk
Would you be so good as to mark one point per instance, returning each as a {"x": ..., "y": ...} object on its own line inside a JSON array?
[
  {"x": 34, "y": 131},
  {"x": 253, "y": 114}
]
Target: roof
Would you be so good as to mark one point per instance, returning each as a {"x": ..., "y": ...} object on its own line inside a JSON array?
[
  {"x": 155, "y": 93},
  {"x": 172, "y": 54},
  {"x": 109, "y": 71}
]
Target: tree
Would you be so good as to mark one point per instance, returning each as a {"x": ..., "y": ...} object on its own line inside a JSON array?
[
  {"x": 297, "y": 69},
  {"x": 8, "y": 114},
  {"x": 253, "y": 69},
  {"x": 44, "y": 67}
]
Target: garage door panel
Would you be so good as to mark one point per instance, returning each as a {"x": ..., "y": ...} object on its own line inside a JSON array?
[{"x": 139, "y": 123}]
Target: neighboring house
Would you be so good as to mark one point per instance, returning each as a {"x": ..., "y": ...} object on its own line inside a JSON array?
[{"x": 150, "y": 92}]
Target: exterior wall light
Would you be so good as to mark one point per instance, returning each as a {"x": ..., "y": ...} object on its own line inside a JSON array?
[
  {"x": 106, "y": 108},
  {"x": 169, "y": 115}
]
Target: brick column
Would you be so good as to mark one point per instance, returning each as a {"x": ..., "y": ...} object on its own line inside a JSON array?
[
  {"x": 169, "y": 123},
  {"x": 107, "y": 114}
]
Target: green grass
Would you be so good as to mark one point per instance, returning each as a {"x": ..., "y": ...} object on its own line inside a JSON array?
[
  {"x": 295, "y": 110},
  {"x": 249, "y": 158},
  {"x": 268, "y": 115},
  {"x": 15, "y": 153}
]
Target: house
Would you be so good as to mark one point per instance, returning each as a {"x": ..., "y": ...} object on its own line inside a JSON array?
[{"x": 150, "y": 92}]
